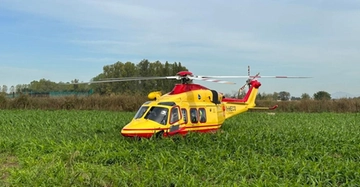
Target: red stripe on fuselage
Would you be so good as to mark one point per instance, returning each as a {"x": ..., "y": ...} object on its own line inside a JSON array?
[
  {"x": 148, "y": 135},
  {"x": 195, "y": 126},
  {"x": 148, "y": 129},
  {"x": 140, "y": 135},
  {"x": 192, "y": 127}
]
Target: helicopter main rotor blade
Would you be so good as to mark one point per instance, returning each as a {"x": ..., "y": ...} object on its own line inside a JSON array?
[
  {"x": 128, "y": 79},
  {"x": 141, "y": 78},
  {"x": 251, "y": 77},
  {"x": 282, "y": 77},
  {"x": 211, "y": 80}
]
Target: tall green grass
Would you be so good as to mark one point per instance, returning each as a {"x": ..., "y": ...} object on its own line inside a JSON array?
[{"x": 85, "y": 148}]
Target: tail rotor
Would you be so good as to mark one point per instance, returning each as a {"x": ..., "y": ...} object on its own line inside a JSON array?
[{"x": 248, "y": 81}]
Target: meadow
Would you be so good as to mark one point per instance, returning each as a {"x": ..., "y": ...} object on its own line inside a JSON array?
[{"x": 85, "y": 148}]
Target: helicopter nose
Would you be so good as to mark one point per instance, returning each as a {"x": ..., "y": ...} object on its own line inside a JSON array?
[{"x": 141, "y": 128}]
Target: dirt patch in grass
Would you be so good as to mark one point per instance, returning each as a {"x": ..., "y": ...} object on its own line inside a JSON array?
[{"x": 7, "y": 162}]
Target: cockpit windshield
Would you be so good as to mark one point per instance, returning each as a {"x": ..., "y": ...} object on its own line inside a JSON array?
[
  {"x": 141, "y": 112},
  {"x": 158, "y": 114}
]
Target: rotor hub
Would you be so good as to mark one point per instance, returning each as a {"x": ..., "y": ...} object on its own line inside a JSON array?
[
  {"x": 184, "y": 74},
  {"x": 184, "y": 80}
]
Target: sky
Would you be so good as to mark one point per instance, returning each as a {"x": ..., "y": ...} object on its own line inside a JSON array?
[{"x": 63, "y": 40}]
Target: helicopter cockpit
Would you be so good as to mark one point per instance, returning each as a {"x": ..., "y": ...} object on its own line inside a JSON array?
[{"x": 161, "y": 114}]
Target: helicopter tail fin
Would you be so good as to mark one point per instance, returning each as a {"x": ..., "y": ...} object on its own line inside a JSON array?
[
  {"x": 234, "y": 106},
  {"x": 250, "y": 96}
]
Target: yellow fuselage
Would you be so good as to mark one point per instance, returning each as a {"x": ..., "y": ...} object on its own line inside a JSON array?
[{"x": 197, "y": 110}]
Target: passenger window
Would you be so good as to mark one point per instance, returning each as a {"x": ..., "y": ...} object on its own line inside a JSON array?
[
  {"x": 202, "y": 114},
  {"x": 174, "y": 115},
  {"x": 184, "y": 114},
  {"x": 193, "y": 115}
]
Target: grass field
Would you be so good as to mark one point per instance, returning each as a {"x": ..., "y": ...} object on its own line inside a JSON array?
[{"x": 85, "y": 148}]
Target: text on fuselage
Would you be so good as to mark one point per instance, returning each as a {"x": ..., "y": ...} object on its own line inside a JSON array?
[{"x": 231, "y": 108}]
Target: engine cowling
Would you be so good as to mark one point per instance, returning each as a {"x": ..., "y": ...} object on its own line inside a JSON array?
[{"x": 154, "y": 95}]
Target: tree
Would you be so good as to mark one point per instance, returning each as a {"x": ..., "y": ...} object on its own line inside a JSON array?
[
  {"x": 284, "y": 96},
  {"x": 129, "y": 70},
  {"x": 142, "y": 69},
  {"x": 295, "y": 98},
  {"x": 322, "y": 95},
  {"x": 116, "y": 70},
  {"x": 275, "y": 96},
  {"x": 266, "y": 96},
  {"x": 305, "y": 96},
  {"x": 4, "y": 88},
  {"x": 99, "y": 88},
  {"x": 12, "y": 89},
  {"x": 259, "y": 96},
  {"x": 72, "y": 86},
  {"x": 43, "y": 85},
  {"x": 18, "y": 88}
]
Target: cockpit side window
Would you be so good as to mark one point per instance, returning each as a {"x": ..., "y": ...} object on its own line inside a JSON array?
[
  {"x": 158, "y": 114},
  {"x": 141, "y": 112}
]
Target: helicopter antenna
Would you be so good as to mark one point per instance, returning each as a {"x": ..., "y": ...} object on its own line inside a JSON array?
[
  {"x": 249, "y": 76},
  {"x": 248, "y": 81}
]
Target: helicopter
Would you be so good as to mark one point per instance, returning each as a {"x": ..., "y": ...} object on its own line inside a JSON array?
[{"x": 190, "y": 107}]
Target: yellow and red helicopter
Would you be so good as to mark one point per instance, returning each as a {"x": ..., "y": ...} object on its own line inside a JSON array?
[{"x": 190, "y": 107}]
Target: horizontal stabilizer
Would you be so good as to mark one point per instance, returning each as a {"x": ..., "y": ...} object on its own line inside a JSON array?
[{"x": 264, "y": 108}]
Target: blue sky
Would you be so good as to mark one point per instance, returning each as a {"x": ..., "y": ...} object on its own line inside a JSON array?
[{"x": 62, "y": 40}]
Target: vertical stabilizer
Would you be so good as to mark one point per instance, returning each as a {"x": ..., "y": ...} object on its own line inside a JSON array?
[{"x": 237, "y": 106}]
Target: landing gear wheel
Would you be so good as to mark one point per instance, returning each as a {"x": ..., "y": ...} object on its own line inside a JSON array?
[{"x": 159, "y": 134}]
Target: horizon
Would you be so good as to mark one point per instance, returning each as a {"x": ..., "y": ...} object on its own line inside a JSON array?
[{"x": 66, "y": 40}]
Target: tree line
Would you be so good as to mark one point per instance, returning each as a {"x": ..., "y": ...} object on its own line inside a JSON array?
[
  {"x": 117, "y": 70},
  {"x": 286, "y": 96},
  {"x": 144, "y": 68}
]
